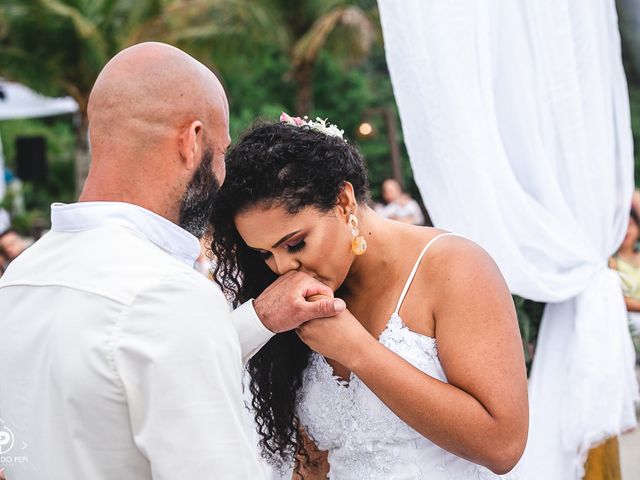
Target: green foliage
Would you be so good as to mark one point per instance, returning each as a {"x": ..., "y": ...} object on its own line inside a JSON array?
[
  {"x": 60, "y": 141},
  {"x": 51, "y": 45},
  {"x": 265, "y": 88},
  {"x": 59, "y": 46},
  {"x": 57, "y": 132},
  {"x": 634, "y": 102},
  {"x": 529, "y": 319},
  {"x": 256, "y": 89}
]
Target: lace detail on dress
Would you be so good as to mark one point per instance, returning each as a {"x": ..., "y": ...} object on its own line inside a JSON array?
[
  {"x": 365, "y": 439},
  {"x": 396, "y": 335},
  {"x": 365, "y": 464}
]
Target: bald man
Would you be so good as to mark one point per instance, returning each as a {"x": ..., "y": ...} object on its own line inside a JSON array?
[{"x": 119, "y": 360}]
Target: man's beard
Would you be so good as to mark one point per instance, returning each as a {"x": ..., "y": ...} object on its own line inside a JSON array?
[{"x": 197, "y": 203}]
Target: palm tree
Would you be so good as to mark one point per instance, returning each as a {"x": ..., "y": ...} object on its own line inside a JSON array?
[
  {"x": 313, "y": 25},
  {"x": 300, "y": 30},
  {"x": 59, "y": 46}
]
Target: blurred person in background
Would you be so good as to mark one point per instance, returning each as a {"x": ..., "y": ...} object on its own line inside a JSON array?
[
  {"x": 3, "y": 262},
  {"x": 627, "y": 263},
  {"x": 635, "y": 200},
  {"x": 15, "y": 191},
  {"x": 398, "y": 205},
  {"x": 11, "y": 245}
]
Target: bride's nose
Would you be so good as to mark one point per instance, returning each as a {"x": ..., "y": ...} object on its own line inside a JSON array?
[{"x": 285, "y": 263}]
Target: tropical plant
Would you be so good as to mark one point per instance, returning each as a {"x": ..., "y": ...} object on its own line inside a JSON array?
[
  {"x": 59, "y": 46},
  {"x": 296, "y": 30},
  {"x": 310, "y": 27}
]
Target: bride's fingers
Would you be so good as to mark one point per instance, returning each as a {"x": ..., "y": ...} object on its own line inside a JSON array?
[
  {"x": 311, "y": 286},
  {"x": 317, "y": 298},
  {"x": 323, "y": 308}
]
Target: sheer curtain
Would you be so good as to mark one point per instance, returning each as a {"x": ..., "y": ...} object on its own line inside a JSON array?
[{"x": 516, "y": 119}]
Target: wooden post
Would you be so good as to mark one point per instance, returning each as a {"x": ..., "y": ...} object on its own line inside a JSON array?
[
  {"x": 603, "y": 462},
  {"x": 392, "y": 136}
]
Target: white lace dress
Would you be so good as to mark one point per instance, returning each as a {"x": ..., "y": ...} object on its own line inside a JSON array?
[{"x": 364, "y": 438}]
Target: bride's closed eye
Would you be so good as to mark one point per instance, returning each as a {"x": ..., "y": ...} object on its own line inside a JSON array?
[
  {"x": 291, "y": 247},
  {"x": 296, "y": 246}
]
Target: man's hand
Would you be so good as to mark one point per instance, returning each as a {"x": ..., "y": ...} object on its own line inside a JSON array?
[{"x": 284, "y": 305}]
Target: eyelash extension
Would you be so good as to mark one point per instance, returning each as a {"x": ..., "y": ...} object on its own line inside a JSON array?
[
  {"x": 291, "y": 249},
  {"x": 297, "y": 247}
]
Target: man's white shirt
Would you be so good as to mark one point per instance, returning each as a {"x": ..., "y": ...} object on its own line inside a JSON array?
[{"x": 119, "y": 360}]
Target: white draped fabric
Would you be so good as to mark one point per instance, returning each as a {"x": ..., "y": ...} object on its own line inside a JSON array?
[{"x": 516, "y": 119}]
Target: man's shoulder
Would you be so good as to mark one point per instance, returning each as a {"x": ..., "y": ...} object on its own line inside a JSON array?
[
  {"x": 128, "y": 244},
  {"x": 112, "y": 260},
  {"x": 187, "y": 287},
  {"x": 148, "y": 268}
]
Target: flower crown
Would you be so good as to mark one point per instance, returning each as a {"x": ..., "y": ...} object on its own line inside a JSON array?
[{"x": 319, "y": 125}]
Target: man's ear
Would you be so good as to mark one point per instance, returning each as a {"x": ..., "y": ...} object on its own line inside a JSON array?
[
  {"x": 189, "y": 144},
  {"x": 346, "y": 201}
]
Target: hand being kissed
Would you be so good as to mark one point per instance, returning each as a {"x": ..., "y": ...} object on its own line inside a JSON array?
[{"x": 339, "y": 338}]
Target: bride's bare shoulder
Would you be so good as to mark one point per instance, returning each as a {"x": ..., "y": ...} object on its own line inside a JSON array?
[
  {"x": 449, "y": 253},
  {"x": 454, "y": 255}
]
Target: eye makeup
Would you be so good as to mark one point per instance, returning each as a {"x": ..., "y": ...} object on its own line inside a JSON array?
[
  {"x": 292, "y": 246},
  {"x": 296, "y": 247}
]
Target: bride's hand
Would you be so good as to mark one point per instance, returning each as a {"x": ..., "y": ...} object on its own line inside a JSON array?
[
  {"x": 285, "y": 303},
  {"x": 341, "y": 338}
]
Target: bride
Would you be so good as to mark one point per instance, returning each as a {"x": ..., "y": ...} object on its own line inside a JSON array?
[{"x": 423, "y": 377}]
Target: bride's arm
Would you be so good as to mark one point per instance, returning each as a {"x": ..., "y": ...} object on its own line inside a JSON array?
[
  {"x": 482, "y": 413},
  {"x": 316, "y": 466}
]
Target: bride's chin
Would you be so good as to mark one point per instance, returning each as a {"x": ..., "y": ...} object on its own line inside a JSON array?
[
  {"x": 329, "y": 283},
  {"x": 334, "y": 284}
]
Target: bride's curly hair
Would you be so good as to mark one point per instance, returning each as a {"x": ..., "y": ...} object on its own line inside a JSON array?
[{"x": 276, "y": 164}]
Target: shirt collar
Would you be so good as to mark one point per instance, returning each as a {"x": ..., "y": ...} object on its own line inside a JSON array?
[{"x": 76, "y": 217}]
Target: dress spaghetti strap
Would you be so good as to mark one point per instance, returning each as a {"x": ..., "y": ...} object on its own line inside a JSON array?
[{"x": 415, "y": 269}]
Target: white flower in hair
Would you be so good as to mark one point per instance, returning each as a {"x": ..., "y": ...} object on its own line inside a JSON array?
[{"x": 319, "y": 125}]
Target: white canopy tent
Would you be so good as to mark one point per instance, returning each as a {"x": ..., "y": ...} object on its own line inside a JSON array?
[{"x": 18, "y": 101}]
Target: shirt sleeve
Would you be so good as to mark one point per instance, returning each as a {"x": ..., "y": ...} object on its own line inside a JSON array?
[
  {"x": 178, "y": 357},
  {"x": 251, "y": 332}
]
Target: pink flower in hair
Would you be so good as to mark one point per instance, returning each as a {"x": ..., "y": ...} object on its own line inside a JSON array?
[
  {"x": 318, "y": 125},
  {"x": 297, "y": 121}
]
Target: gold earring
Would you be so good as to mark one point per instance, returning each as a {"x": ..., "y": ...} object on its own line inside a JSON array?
[{"x": 359, "y": 244}]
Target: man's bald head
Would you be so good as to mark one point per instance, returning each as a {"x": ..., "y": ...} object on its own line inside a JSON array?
[
  {"x": 152, "y": 87},
  {"x": 154, "y": 112}
]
